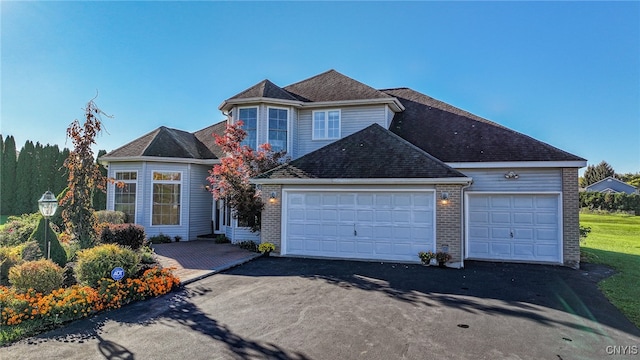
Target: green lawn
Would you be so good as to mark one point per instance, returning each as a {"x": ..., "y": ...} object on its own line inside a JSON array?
[{"x": 615, "y": 241}]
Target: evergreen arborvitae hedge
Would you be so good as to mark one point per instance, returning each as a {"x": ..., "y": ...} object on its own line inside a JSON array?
[{"x": 58, "y": 255}]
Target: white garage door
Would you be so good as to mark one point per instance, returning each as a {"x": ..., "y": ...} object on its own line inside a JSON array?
[
  {"x": 514, "y": 227},
  {"x": 362, "y": 225}
]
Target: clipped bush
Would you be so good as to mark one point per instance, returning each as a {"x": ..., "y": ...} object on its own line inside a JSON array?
[
  {"x": 160, "y": 239},
  {"x": 31, "y": 251},
  {"x": 42, "y": 275},
  {"x": 9, "y": 257},
  {"x": 248, "y": 245},
  {"x": 18, "y": 229},
  {"x": 221, "y": 239},
  {"x": 110, "y": 216},
  {"x": 96, "y": 263},
  {"x": 147, "y": 255},
  {"x": 130, "y": 235},
  {"x": 58, "y": 255}
]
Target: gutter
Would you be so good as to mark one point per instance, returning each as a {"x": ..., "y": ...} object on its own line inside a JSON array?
[{"x": 369, "y": 181}]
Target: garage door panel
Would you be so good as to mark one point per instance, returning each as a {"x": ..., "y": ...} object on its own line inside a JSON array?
[
  {"x": 523, "y": 250},
  {"x": 387, "y": 225},
  {"x": 500, "y": 233},
  {"x": 500, "y": 249},
  {"x": 500, "y": 218},
  {"x": 523, "y": 218},
  {"x": 514, "y": 227}
]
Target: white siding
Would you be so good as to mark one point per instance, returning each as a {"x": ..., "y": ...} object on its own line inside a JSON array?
[
  {"x": 353, "y": 119},
  {"x": 529, "y": 180},
  {"x": 201, "y": 202},
  {"x": 293, "y": 119}
]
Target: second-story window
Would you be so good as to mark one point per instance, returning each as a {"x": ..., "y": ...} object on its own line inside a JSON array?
[
  {"x": 249, "y": 117},
  {"x": 278, "y": 129},
  {"x": 326, "y": 124}
]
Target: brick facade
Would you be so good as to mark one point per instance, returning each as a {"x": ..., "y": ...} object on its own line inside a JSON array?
[
  {"x": 570, "y": 218},
  {"x": 270, "y": 230},
  {"x": 449, "y": 221}
]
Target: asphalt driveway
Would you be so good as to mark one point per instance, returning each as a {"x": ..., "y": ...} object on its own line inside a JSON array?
[{"x": 280, "y": 308}]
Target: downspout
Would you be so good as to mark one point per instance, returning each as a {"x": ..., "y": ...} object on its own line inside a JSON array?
[{"x": 463, "y": 250}]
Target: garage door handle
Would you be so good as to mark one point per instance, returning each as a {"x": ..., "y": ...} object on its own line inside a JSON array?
[
  {"x": 512, "y": 234},
  {"x": 355, "y": 233}
]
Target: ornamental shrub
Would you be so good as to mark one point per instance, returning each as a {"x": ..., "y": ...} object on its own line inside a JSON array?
[
  {"x": 18, "y": 229},
  {"x": 9, "y": 257},
  {"x": 96, "y": 263},
  {"x": 42, "y": 275},
  {"x": 248, "y": 245},
  {"x": 58, "y": 255},
  {"x": 110, "y": 216},
  {"x": 160, "y": 239},
  {"x": 130, "y": 235}
]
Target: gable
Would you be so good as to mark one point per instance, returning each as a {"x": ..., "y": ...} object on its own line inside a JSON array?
[{"x": 333, "y": 86}]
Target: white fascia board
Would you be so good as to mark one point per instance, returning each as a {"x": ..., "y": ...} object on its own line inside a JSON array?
[
  {"x": 401, "y": 181},
  {"x": 228, "y": 104},
  {"x": 393, "y": 103},
  {"x": 517, "y": 164},
  {"x": 107, "y": 161}
]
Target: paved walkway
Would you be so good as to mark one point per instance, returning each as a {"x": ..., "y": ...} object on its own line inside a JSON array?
[{"x": 194, "y": 260}]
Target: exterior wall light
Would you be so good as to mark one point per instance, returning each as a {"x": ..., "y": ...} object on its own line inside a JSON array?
[
  {"x": 48, "y": 204},
  {"x": 272, "y": 197},
  {"x": 444, "y": 198},
  {"x": 511, "y": 175}
]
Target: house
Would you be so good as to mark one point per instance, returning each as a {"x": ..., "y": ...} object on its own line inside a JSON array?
[
  {"x": 611, "y": 185},
  {"x": 376, "y": 174}
]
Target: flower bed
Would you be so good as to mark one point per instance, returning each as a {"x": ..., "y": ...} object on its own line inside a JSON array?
[{"x": 38, "y": 312}]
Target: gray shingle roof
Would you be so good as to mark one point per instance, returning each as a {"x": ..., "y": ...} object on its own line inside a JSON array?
[
  {"x": 333, "y": 86},
  {"x": 171, "y": 143},
  {"x": 454, "y": 135},
  {"x": 264, "y": 89},
  {"x": 371, "y": 153}
]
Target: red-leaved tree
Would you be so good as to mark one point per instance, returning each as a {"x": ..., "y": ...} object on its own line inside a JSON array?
[{"x": 230, "y": 179}]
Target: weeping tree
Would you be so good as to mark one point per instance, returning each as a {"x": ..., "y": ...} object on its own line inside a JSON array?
[{"x": 84, "y": 177}]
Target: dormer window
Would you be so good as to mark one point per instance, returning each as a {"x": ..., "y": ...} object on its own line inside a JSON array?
[
  {"x": 278, "y": 119},
  {"x": 249, "y": 117},
  {"x": 326, "y": 125}
]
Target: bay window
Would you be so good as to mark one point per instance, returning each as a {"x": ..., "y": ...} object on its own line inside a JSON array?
[
  {"x": 278, "y": 129},
  {"x": 249, "y": 117},
  {"x": 166, "y": 198}
]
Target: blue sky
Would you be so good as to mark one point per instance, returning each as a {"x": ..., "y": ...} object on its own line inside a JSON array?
[{"x": 567, "y": 73}]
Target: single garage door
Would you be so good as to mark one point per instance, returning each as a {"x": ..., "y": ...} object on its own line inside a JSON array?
[
  {"x": 361, "y": 225},
  {"x": 514, "y": 227}
]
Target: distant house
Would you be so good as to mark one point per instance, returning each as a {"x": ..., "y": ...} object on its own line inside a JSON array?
[
  {"x": 376, "y": 174},
  {"x": 612, "y": 185}
]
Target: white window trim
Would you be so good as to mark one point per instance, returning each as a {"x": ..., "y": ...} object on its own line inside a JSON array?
[
  {"x": 181, "y": 183},
  {"x": 288, "y": 149},
  {"x": 326, "y": 122},
  {"x": 115, "y": 188},
  {"x": 237, "y": 118}
]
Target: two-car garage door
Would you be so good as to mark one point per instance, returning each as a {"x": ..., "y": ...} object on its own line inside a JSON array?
[
  {"x": 518, "y": 227},
  {"x": 381, "y": 225}
]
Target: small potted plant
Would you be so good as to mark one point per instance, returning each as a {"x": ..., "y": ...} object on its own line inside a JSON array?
[
  {"x": 427, "y": 258},
  {"x": 266, "y": 248},
  {"x": 442, "y": 257}
]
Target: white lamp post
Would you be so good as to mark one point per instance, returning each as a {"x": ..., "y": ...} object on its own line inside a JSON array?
[{"x": 48, "y": 205}]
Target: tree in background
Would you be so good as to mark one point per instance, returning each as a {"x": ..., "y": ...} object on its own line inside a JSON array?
[
  {"x": 630, "y": 178},
  {"x": 84, "y": 177},
  {"x": 99, "y": 196},
  {"x": 230, "y": 179},
  {"x": 26, "y": 198},
  {"x": 593, "y": 174},
  {"x": 8, "y": 177}
]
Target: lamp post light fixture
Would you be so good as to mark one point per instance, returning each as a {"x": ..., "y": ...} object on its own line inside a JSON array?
[{"x": 48, "y": 205}]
